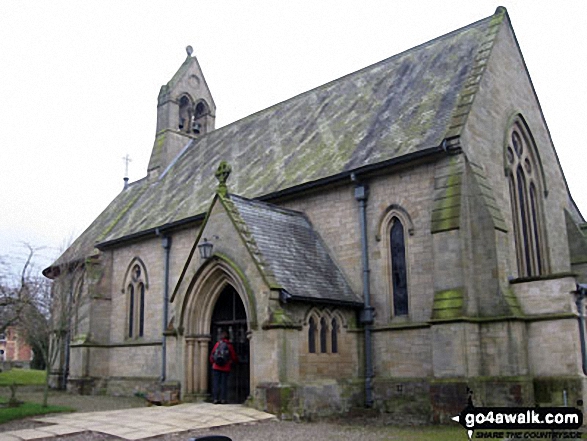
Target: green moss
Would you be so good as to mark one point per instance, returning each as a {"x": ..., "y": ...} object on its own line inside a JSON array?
[
  {"x": 319, "y": 160},
  {"x": 278, "y": 318},
  {"x": 80, "y": 339},
  {"x": 512, "y": 302},
  {"x": 447, "y": 203},
  {"x": 155, "y": 159},
  {"x": 448, "y": 304},
  {"x": 249, "y": 243},
  {"x": 121, "y": 212},
  {"x": 550, "y": 390}
]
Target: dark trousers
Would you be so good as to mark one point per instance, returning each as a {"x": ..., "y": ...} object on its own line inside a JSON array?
[{"x": 219, "y": 385}]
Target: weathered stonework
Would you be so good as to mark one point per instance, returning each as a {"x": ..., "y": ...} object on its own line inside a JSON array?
[{"x": 433, "y": 155}]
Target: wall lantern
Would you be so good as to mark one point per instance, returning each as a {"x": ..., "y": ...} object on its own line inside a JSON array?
[{"x": 206, "y": 249}]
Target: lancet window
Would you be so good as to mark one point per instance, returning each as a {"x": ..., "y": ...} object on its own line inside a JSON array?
[
  {"x": 135, "y": 290},
  {"x": 399, "y": 273},
  {"x": 323, "y": 331}
]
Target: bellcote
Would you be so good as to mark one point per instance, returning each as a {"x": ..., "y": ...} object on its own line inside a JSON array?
[{"x": 185, "y": 110}]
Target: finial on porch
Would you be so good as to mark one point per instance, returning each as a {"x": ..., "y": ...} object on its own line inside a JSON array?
[{"x": 222, "y": 175}]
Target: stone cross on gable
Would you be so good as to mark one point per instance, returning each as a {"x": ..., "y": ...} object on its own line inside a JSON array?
[
  {"x": 222, "y": 175},
  {"x": 126, "y": 160}
]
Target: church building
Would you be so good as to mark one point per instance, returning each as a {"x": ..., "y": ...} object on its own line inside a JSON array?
[{"x": 392, "y": 239}]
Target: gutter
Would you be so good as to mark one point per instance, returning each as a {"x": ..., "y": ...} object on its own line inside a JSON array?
[
  {"x": 286, "y": 297},
  {"x": 156, "y": 231}
]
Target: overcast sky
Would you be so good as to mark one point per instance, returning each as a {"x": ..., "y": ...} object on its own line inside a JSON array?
[{"x": 79, "y": 82}]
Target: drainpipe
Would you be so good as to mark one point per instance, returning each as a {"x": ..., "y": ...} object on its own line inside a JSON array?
[
  {"x": 63, "y": 379},
  {"x": 361, "y": 195},
  {"x": 580, "y": 296},
  {"x": 166, "y": 243}
]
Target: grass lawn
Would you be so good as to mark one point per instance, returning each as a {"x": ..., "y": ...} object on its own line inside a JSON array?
[
  {"x": 26, "y": 410},
  {"x": 22, "y": 377}
]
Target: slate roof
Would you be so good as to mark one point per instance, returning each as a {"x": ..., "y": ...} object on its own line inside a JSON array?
[
  {"x": 405, "y": 104},
  {"x": 293, "y": 254}
]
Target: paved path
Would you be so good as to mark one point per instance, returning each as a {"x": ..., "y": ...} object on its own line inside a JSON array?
[{"x": 139, "y": 423}]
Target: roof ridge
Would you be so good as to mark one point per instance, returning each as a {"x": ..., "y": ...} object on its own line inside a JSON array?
[{"x": 466, "y": 96}]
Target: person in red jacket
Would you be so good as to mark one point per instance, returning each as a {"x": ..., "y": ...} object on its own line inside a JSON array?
[{"x": 221, "y": 357}]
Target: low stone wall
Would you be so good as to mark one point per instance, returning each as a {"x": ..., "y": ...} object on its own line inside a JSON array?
[
  {"x": 403, "y": 400},
  {"x": 7, "y": 365},
  {"x": 414, "y": 400},
  {"x": 115, "y": 386},
  {"x": 310, "y": 400}
]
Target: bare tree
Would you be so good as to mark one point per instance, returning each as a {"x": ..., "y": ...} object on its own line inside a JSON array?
[
  {"x": 41, "y": 309},
  {"x": 17, "y": 294}
]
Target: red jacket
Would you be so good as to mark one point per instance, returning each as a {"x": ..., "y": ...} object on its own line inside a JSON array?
[{"x": 233, "y": 357}]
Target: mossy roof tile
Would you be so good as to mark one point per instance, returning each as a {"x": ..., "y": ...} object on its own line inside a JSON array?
[
  {"x": 398, "y": 106},
  {"x": 294, "y": 252}
]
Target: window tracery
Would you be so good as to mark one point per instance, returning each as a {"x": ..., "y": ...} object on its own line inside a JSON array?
[
  {"x": 323, "y": 331},
  {"x": 136, "y": 283},
  {"x": 525, "y": 185},
  {"x": 312, "y": 336}
]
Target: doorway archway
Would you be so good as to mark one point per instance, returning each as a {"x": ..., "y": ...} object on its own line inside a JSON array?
[
  {"x": 229, "y": 315},
  {"x": 217, "y": 297}
]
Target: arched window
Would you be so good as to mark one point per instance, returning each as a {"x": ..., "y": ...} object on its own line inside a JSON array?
[
  {"x": 141, "y": 309},
  {"x": 185, "y": 113},
  {"x": 136, "y": 283},
  {"x": 334, "y": 336},
  {"x": 525, "y": 184},
  {"x": 201, "y": 116},
  {"x": 323, "y": 334},
  {"x": 399, "y": 276},
  {"x": 131, "y": 310},
  {"x": 324, "y": 331},
  {"x": 312, "y": 336}
]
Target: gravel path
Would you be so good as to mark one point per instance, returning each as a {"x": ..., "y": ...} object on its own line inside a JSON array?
[
  {"x": 261, "y": 431},
  {"x": 353, "y": 429}
]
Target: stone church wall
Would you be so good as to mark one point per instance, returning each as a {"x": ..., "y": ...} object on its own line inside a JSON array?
[
  {"x": 504, "y": 91},
  {"x": 151, "y": 254},
  {"x": 423, "y": 363}
]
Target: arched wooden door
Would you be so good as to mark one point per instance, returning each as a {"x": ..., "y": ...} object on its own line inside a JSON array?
[{"x": 229, "y": 315}]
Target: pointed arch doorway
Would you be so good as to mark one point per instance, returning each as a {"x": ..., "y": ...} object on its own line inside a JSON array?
[{"x": 229, "y": 315}]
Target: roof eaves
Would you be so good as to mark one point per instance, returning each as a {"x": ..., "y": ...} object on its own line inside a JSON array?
[
  {"x": 170, "y": 226},
  {"x": 286, "y": 297},
  {"x": 429, "y": 153}
]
